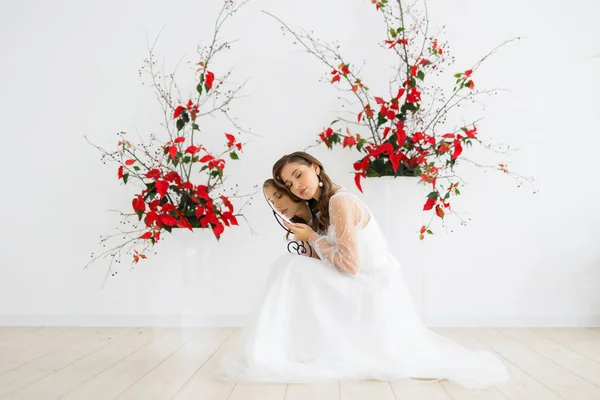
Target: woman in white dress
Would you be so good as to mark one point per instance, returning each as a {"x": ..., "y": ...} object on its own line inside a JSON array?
[{"x": 348, "y": 315}]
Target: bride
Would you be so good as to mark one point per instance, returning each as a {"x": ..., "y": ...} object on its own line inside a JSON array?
[{"x": 348, "y": 315}]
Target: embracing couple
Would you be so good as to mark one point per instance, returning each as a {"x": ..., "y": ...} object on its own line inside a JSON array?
[{"x": 345, "y": 312}]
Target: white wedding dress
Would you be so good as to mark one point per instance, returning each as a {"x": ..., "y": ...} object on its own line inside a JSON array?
[{"x": 316, "y": 323}]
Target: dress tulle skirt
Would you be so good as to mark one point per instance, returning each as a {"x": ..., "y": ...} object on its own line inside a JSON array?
[{"x": 316, "y": 324}]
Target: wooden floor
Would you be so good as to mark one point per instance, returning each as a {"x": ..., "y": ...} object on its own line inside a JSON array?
[{"x": 173, "y": 363}]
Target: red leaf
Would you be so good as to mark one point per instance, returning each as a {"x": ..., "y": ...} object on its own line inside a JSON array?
[
  {"x": 439, "y": 211},
  {"x": 379, "y": 100},
  {"x": 179, "y": 139},
  {"x": 448, "y": 136},
  {"x": 429, "y": 204},
  {"x": 129, "y": 162},
  {"x": 173, "y": 151},
  {"x": 357, "y": 177},
  {"x": 151, "y": 218},
  {"x": 192, "y": 150},
  {"x": 199, "y": 212},
  {"x": 468, "y": 72},
  {"x": 153, "y": 174},
  {"x": 188, "y": 185},
  {"x": 206, "y": 158},
  {"x": 386, "y": 131},
  {"x": 457, "y": 149},
  {"x": 400, "y": 93},
  {"x": 184, "y": 223},
  {"x": 218, "y": 230},
  {"x": 230, "y": 139},
  {"x": 227, "y": 203},
  {"x": 178, "y": 111},
  {"x": 209, "y": 79},
  {"x": 239, "y": 146},
  {"x": 424, "y": 62},
  {"x": 168, "y": 220},
  {"x": 138, "y": 203},
  {"x": 161, "y": 188},
  {"x": 335, "y": 79},
  {"x": 168, "y": 207},
  {"x": 349, "y": 141},
  {"x": 359, "y": 116},
  {"x": 401, "y": 136},
  {"x": 423, "y": 229},
  {"x": 120, "y": 172},
  {"x": 390, "y": 115},
  {"x": 413, "y": 70},
  {"x": 146, "y": 235}
]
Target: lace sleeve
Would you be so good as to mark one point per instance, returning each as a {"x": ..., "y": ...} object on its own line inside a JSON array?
[{"x": 342, "y": 250}]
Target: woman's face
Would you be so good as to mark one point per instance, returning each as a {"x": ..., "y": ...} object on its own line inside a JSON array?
[
  {"x": 301, "y": 179},
  {"x": 281, "y": 201}
]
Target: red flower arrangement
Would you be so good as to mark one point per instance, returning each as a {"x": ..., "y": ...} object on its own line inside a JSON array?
[
  {"x": 181, "y": 180},
  {"x": 403, "y": 136}
]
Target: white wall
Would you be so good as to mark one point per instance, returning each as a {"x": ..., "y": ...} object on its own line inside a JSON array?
[{"x": 69, "y": 68}]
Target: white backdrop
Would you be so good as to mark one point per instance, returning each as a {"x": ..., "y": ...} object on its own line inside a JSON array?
[{"x": 69, "y": 68}]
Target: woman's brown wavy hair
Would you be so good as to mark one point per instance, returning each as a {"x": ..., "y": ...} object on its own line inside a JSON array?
[{"x": 319, "y": 208}]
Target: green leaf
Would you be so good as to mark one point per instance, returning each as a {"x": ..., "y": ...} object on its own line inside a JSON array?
[
  {"x": 167, "y": 228},
  {"x": 125, "y": 177},
  {"x": 135, "y": 167},
  {"x": 234, "y": 155},
  {"x": 139, "y": 214},
  {"x": 401, "y": 29},
  {"x": 381, "y": 119},
  {"x": 421, "y": 75},
  {"x": 187, "y": 159},
  {"x": 413, "y": 82},
  {"x": 371, "y": 173},
  {"x": 433, "y": 195},
  {"x": 458, "y": 75},
  {"x": 195, "y": 159},
  {"x": 203, "y": 168},
  {"x": 185, "y": 116},
  {"x": 457, "y": 191},
  {"x": 199, "y": 88},
  {"x": 195, "y": 127},
  {"x": 429, "y": 231},
  {"x": 334, "y": 121},
  {"x": 393, "y": 33},
  {"x": 180, "y": 124}
]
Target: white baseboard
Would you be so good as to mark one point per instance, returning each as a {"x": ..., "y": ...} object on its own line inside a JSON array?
[
  {"x": 237, "y": 320},
  {"x": 529, "y": 321},
  {"x": 121, "y": 320}
]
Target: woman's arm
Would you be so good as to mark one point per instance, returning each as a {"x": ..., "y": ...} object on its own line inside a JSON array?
[{"x": 345, "y": 216}]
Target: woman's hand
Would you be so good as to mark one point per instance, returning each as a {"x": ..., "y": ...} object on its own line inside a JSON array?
[{"x": 301, "y": 231}]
